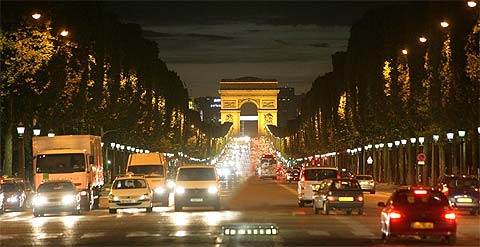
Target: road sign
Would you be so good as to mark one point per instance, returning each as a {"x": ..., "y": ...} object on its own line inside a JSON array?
[
  {"x": 421, "y": 157},
  {"x": 369, "y": 160}
]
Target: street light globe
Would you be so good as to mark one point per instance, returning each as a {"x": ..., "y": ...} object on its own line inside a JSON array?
[
  {"x": 359, "y": 149},
  {"x": 64, "y": 33},
  {"x": 101, "y": 144},
  {"x": 421, "y": 140},
  {"x": 444, "y": 24},
  {"x": 404, "y": 141},
  {"x": 51, "y": 133},
  {"x": 122, "y": 147},
  {"x": 128, "y": 148},
  {"x": 20, "y": 129},
  {"x": 404, "y": 51},
  {"x": 478, "y": 130},
  {"x": 413, "y": 140},
  {"x": 435, "y": 138},
  {"x": 461, "y": 133},
  {"x": 36, "y": 131},
  {"x": 390, "y": 145},
  {"x": 450, "y": 136},
  {"x": 381, "y": 145},
  {"x": 112, "y": 145},
  {"x": 472, "y": 4},
  {"x": 377, "y": 146},
  {"x": 117, "y": 145},
  {"x": 422, "y": 39},
  {"x": 36, "y": 16},
  {"x": 397, "y": 143},
  {"x": 370, "y": 146}
]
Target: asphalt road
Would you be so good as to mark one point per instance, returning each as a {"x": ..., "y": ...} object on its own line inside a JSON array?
[{"x": 243, "y": 201}]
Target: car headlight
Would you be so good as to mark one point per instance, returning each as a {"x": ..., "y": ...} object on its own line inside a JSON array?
[
  {"x": 144, "y": 197},
  {"x": 12, "y": 199},
  {"x": 159, "y": 190},
  {"x": 111, "y": 197},
  {"x": 170, "y": 184},
  {"x": 179, "y": 190},
  {"x": 68, "y": 199},
  {"x": 212, "y": 189},
  {"x": 39, "y": 200}
]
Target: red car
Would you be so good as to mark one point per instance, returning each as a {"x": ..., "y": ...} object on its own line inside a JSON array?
[{"x": 418, "y": 211}]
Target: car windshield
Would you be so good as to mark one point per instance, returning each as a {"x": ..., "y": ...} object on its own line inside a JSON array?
[
  {"x": 464, "y": 183},
  {"x": 60, "y": 163},
  {"x": 147, "y": 169},
  {"x": 10, "y": 187},
  {"x": 409, "y": 198},
  {"x": 56, "y": 187},
  {"x": 364, "y": 177},
  {"x": 196, "y": 174},
  {"x": 129, "y": 184},
  {"x": 345, "y": 185},
  {"x": 320, "y": 174}
]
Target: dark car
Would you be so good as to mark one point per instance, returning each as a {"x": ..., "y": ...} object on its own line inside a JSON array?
[
  {"x": 418, "y": 212},
  {"x": 341, "y": 194},
  {"x": 15, "y": 196},
  {"x": 462, "y": 191},
  {"x": 293, "y": 174},
  {"x": 56, "y": 196}
]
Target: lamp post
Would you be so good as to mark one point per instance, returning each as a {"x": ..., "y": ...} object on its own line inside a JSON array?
[
  {"x": 389, "y": 162},
  {"x": 113, "y": 166},
  {"x": 404, "y": 165},
  {"x": 413, "y": 167},
  {"x": 21, "y": 150},
  {"x": 463, "y": 166},
  {"x": 450, "y": 168},
  {"x": 381, "y": 163},
  {"x": 396, "y": 162},
  {"x": 434, "y": 176}
]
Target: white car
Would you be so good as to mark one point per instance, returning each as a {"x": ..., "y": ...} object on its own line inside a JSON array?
[
  {"x": 197, "y": 185},
  {"x": 130, "y": 192},
  {"x": 311, "y": 176}
]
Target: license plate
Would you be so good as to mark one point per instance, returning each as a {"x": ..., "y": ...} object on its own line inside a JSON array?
[
  {"x": 466, "y": 199},
  {"x": 127, "y": 201},
  {"x": 422, "y": 225},
  {"x": 363, "y": 183},
  {"x": 345, "y": 199},
  {"x": 196, "y": 199}
]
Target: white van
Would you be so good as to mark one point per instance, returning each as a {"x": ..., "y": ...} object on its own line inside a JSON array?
[
  {"x": 310, "y": 176},
  {"x": 197, "y": 185},
  {"x": 154, "y": 168}
]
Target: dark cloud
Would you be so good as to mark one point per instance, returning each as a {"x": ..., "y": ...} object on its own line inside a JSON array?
[
  {"x": 281, "y": 42},
  {"x": 149, "y": 34}
]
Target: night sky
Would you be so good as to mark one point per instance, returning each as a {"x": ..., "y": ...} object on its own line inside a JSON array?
[{"x": 206, "y": 42}]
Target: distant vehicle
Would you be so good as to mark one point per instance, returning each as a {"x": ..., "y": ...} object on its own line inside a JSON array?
[
  {"x": 77, "y": 158},
  {"x": 418, "y": 211},
  {"x": 293, "y": 174},
  {"x": 155, "y": 170},
  {"x": 26, "y": 186},
  {"x": 341, "y": 194},
  {"x": 312, "y": 175},
  {"x": 462, "y": 191},
  {"x": 130, "y": 192},
  {"x": 15, "y": 196},
  {"x": 55, "y": 196},
  {"x": 366, "y": 182},
  {"x": 197, "y": 185},
  {"x": 268, "y": 166}
]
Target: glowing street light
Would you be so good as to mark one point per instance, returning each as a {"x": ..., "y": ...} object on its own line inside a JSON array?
[
  {"x": 36, "y": 16},
  {"x": 404, "y": 51},
  {"x": 472, "y": 4},
  {"x": 422, "y": 39},
  {"x": 64, "y": 33},
  {"x": 51, "y": 133},
  {"x": 397, "y": 143},
  {"x": 421, "y": 140},
  {"x": 435, "y": 138},
  {"x": 404, "y": 141},
  {"x": 444, "y": 24},
  {"x": 112, "y": 145}
]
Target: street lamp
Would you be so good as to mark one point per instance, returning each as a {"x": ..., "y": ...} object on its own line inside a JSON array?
[
  {"x": 440, "y": 169},
  {"x": 36, "y": 130},
  {"x": 435, "y": 138},
  {"x": 51, "y": 133},
  {"x": 404, "y": 141},
  {"x": 450, "y": 136},
  {"x": 36, "y": 16},
  {"x": 472, "y": 4},
  {"x": 128, "y": 148},
  {"x": 381, "y": 145},
  {"x": 21, "y": 150},
  {"x": 112, "y": 145},
  {"x": 389, "y": 145},
  {"x": 422, "y": 39},
  {"x": 117, "y": 145},
  {"x": 421, "y": 140},
  {"x": 444, "y": 24},
  {"x": 64, "y": 33},
  {"x": 463, "y": 165},
  {"x": 413, "y": 140},
  {"x": 404, "y": 51}
]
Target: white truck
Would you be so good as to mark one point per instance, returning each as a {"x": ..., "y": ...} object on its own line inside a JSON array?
[
  {"x": 154, "y": 167},
  {"x": 77, "y": 158}
]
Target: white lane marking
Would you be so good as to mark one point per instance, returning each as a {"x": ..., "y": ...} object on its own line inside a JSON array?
[
  {"x": 142, "y": 234},
  {"x": 49, "y": 235},
  {"x": 106, "y": 216},
  {"x": 93, "y": 235},
  {"x": 288, "y": 189},
  {"x": 318, "y": 233}
]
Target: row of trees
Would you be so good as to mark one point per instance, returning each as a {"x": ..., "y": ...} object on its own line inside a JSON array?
[
  {"x": 389, "y": 85},
  {"x": 101, "y": 78}
]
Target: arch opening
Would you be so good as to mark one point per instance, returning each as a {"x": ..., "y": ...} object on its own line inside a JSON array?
[{"x": 248, "y": 120}]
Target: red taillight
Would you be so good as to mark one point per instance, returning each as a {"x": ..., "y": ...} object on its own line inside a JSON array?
[
  {"x": 420, "y": 192},
  {"x": 302, "y": 178},
  {"x": 450, "y": 216},
  {"x": 394, "y": 215},
  {"x": 360, "y": 198},
  {"x": 445, "y": 190},
  {"x": 338, "y": 176}
]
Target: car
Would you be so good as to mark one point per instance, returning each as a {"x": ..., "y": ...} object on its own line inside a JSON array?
[
  {"x": 130, "y": 191},
  {"x": 312, "y": 175},
  {"x": 25, "y": 185},
  {"x": 340, "y": 194},
  {"x": 418, "y": 211},
  {"x": 293, "y": 174},
  {"x": 15, "y": 196},
  {"x": 56, "y": 196},
  {"x": 197, "y": 185},
  {"x": 463, "y": 191},
  {"x": 367, "y": 182}
]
